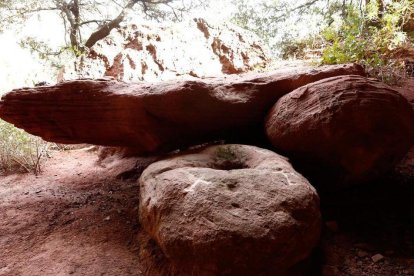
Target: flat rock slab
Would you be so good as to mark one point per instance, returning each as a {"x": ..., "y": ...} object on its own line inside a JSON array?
[
  {"x": 153, "y": 117},
  {"x": 232, "y": 209},
  {"x": 349, "y": 127}
]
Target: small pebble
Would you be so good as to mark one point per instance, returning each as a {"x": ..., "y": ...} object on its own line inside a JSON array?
[
  {"x": 377, "y": 258},
  {"x": 107, "y": 218}
]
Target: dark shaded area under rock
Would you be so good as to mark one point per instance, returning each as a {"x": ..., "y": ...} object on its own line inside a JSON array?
[{"x": 373, "y": 219}]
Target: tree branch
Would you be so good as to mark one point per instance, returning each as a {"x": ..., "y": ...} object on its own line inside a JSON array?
[
  {"x": 20, "y": 11},
  {"x": 305, "y": 5},
  {"x": 300, "y": 7},
  {"x": 72, "y": 13},
  {"x": 94, "y": 21},
  {"x": 105, "y": 29}
]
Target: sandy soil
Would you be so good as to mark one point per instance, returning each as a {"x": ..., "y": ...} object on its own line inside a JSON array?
[
  {"x": 75, "y": 218},
  {"x": 79, "y": 218}
]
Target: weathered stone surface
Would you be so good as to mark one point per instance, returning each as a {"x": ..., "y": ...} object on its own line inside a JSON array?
[
  {"x": 349, "y": 126},
  {"x": 154, "y": 117},
  {"x": 185, "y": 50},
  {"x": 407, "y": 90},
  {"x": 229, "y": 209}
]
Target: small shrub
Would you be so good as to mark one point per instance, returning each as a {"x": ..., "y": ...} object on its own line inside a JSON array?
[
  {"x": 20, "y": 151},
  {"x": 371, "y": 39},
  {"x": 304, "y": 49}
]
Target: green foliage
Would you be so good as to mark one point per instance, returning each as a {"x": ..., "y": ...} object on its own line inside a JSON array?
[
  {"x": 43, "y": 50},
  {"x": 302, "y": 49},
  {"x": 374, "y": 33},
  {"x": 20, "y": 151},
  {"x": 280, "y": 23},
  {"x": 370, "y": 38}
]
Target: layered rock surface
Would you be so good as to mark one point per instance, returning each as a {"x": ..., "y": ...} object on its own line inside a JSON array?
[
  {"x": 349, "y": 126},
  {"x": 190, "y": 49},
  {"x": 229, "y": 209},
  {"x": 153, "y": 117}
]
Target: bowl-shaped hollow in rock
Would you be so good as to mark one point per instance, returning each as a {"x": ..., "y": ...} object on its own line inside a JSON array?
[{"x": 229, "y": 209}]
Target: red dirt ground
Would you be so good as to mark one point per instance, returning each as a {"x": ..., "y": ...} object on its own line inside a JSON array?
[
  {"x": 75, "y": 218},
  {"x": 78, "y": 218}
]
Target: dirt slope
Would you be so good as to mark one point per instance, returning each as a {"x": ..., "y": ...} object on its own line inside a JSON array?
[{"x": 75, "y": 218}]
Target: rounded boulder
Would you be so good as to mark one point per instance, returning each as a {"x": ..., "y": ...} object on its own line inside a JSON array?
[
  {"x": 347, "y": 129},
  {"x": 229, "y": 209}
]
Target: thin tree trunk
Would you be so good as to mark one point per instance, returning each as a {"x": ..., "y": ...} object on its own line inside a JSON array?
[{"x": 71, "y": 12}]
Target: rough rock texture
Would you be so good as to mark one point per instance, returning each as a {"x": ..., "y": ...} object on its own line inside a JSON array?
[
  {"x": 229, "y": 209},
  {"x": 156, "y": 116},
  {"x": 407, "y": 90},
  {"x": 357, "y": 127},
  {"x": 190, "y": 49}
]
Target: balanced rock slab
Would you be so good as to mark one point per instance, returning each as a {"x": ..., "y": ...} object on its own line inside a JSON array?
[
  {"x": 159, "y": 116},
  {"x": 351, "y": 127},
  {"x": 229, "y": 208}
]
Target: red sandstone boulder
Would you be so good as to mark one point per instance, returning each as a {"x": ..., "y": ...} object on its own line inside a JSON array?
[
  {"x": 349, "y": 126},
  {"x": 232, "y": 209},
  {"x": 153, "y": 117}
]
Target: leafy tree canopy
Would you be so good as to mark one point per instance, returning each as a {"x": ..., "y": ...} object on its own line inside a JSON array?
[
  {"x": 85, "y": 22},
  {"x": 279, "y": 22},
  {"x": 374, "y": 33}
]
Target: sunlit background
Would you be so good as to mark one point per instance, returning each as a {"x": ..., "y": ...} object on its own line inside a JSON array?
[{"x": 19, "y": 66}]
